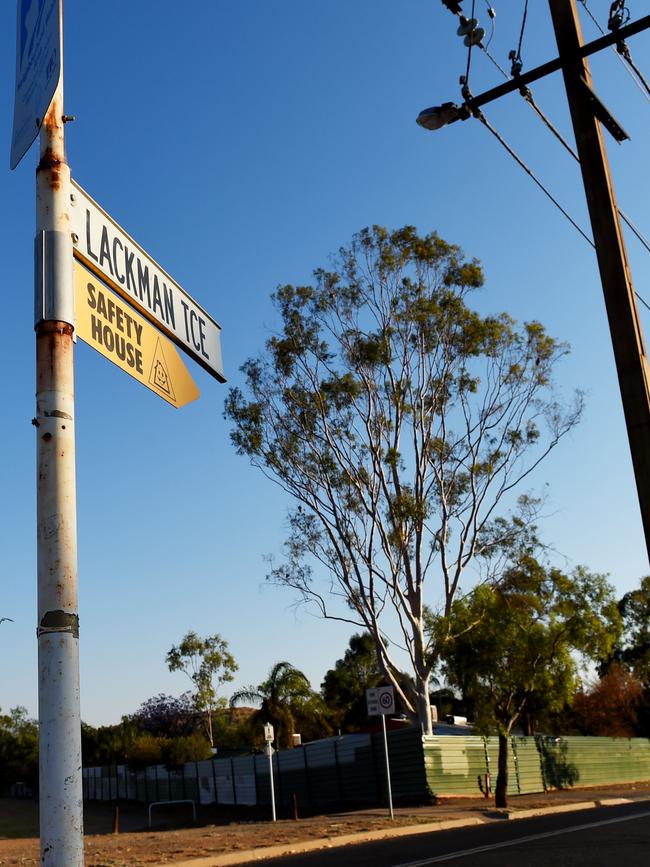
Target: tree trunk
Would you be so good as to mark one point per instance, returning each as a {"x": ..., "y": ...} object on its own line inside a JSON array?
[
  {"x": 422, "y": 678},
  {"x": 209, "y": 719},
  {"x": 423, "y": 705},
  {"x": 501, "y": 791}
]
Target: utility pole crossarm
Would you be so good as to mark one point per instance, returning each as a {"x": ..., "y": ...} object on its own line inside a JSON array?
[{"x": 577, "y": 53}]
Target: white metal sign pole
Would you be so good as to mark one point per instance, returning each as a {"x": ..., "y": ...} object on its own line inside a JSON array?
[
  {"x": 61, "y": 794},
  {"x": 390, "y": 790},
  {"x": 270, "y": 752}
]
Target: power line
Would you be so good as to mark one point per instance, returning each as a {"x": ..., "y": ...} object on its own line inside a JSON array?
[
  {"x": 477, "y": 113},
  {"x": 480, "y": 116},
  {"x": 528, "y": 96},
  {"x": 492, "y": 15},
  {"x": 523, "y": 27},
  {"x": 624, "y": 51}
]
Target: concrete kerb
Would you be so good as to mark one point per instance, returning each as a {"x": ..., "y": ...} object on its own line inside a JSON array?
[{"x": 247, "y": 856}]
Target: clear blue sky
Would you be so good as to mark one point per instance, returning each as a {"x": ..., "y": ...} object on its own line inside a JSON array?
[{"x": 241, "y": 143}]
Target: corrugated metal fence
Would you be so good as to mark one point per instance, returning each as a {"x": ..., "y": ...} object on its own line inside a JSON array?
[
  {"x": 458, "y": 765},
  {"x": 346, "y": 769},
  {"x": 350, "y": 770}
]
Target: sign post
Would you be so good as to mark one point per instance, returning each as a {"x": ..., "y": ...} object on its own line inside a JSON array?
[
  {"x": 60, "y": 789},
  {"x": 381, "y": 702},
  {"x": 268, "y": 737},
  {"x": 65, "y": 233}
]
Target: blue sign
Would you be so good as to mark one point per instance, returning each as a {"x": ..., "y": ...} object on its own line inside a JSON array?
[{"x": 38, "y": 70}]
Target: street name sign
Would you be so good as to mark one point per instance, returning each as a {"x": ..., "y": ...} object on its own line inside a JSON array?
[
  {"x": 104, "y": 247},
  {"x": 38, "y": 70},
  {"x": 112, "y": 327},
  {"x": 380, "y": 701}
]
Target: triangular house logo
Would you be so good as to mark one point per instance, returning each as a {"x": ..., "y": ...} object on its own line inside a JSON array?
[{"x": 159, "y": 376}]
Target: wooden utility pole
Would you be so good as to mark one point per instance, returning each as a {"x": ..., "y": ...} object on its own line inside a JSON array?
[
  {"x": 586, "y": 112},
  {"x": 625, "y": 329}
]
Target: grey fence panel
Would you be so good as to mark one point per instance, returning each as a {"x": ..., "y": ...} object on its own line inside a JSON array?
[
  {"x": 226, "y": 789},
  {"x": 322, "y": 778},
  {"x": 177, "y": 787},
  {"x": 206, "y": 792},
  {"x": 151, "y": 784},
  {"x": 261, "y": 773},
  {"x": 360, "y": 772},
  {"x": 292, "y": 780},
  {"x": 245, "y": 780}
]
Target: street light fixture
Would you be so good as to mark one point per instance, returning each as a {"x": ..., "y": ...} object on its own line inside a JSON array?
[{"x": 440, "y": 115}]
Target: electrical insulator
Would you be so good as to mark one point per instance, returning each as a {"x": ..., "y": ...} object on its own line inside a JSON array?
[{"x": 470, "y": 30}]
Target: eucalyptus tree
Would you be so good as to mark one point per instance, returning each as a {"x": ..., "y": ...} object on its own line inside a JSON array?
[
  {"x": 208, "y": 663},
  {"x": 400, "y": 420}
]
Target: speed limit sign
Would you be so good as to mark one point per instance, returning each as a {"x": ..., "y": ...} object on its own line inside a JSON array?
[{"x": 381, "y": 701}]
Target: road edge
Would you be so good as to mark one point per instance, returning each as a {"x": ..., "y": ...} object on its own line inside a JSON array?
[{"x": 247, "y": 856}]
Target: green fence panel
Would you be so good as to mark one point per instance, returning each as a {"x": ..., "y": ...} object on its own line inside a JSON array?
[
  {"x": 592, "y": 761},
  {"x": 454, "y": 765},
  {"x": 525, "y": 767},
  {"x": 492, "y": 766}
]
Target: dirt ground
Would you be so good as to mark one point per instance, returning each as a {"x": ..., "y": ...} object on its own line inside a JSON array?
[{"x": 220, "y": 832}]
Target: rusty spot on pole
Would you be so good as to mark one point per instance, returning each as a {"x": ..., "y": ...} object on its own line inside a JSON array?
[{"x": 49, "y": 162}]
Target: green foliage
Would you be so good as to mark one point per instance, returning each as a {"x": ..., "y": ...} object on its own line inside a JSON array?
[
  {"x": 107, "y": 745},
  {"x": 18, "y": 749},
  {"x": 146, "y": 749},
  {"x": 344, "y": 686},
  {"x": 399, "y": 419},
  {"x": 130, "y": 743},
  {"x": 288, "y": 703},
  {"x": 208, "y": 664},
  {"x": 187, "y": 748},
  {"x": 512, "y": 646},
  {"x": 632, "y": 651}
]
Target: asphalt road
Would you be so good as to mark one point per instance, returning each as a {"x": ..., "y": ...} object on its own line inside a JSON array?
[{"x": 600, "y": 837}]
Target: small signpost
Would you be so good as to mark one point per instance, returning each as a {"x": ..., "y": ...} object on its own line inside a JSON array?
[
  {"x": 268, "y": 737},
  {"x": 381, "y": 702},
  {"x": 71, "y": 226}
]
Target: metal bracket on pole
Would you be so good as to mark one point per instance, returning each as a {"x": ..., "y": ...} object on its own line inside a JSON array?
[
  {"x": 601, "y": 112},
  {"x": 53, "y": 299}
]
